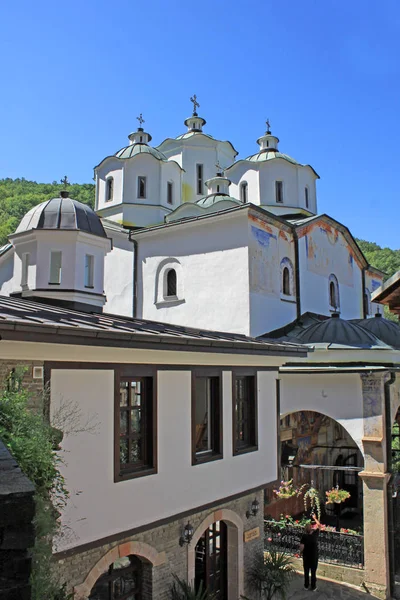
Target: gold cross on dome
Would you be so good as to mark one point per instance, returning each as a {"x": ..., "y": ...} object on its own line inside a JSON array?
[
  {"x": 65, "y": 181},
  {"x": 196, "y": 105},
  {"x": 268, "y": 126},
  {"x": 140, "y": 119}
]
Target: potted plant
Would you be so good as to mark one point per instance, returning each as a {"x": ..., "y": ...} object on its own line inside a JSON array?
[
  {"x": 181, "y": 590},
  {"x": 286, "y": 490},
  {"x": 271, "y": 575},
  {"x": 336, "y": 495},
  {"x": 311, "y": 498}
]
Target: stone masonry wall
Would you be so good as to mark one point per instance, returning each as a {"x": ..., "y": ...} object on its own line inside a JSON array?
[
  {"x": 33, "y": 386},
  {"x": 17, "y": 510},
  {"x": 172, "y": 558}
]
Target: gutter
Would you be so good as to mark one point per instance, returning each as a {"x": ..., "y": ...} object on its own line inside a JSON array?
[
  {"x": 390, "y": 516},
  {"x": 135, "y": 269},
  {"x": 364, "y": 303},
  {"x": 297, "y": 273}
]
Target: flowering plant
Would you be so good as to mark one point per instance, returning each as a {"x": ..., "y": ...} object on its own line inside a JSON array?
[
  {"x": 336, "y": 495},
  {"x": 286, "y": 490},
  {"x": 311, "y": 497}
]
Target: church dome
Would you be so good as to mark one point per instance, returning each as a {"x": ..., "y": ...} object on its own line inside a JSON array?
[
  {"x": 139, "y": 148},
  {"x": 270, "y": 154},
  {"x": 337, "y": 331},
  {"x": 214, "y": 199},
  {"x": 385, "y": 330},
  {"x": 62, "y": 213}
]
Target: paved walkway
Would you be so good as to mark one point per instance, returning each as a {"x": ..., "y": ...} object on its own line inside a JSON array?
[{"x": 326, "y": 591}]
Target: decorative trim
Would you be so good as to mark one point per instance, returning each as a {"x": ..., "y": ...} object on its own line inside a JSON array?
[{"x": 145, "y": 551}]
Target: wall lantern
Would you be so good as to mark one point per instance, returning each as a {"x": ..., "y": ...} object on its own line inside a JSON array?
[
  {"x": 187, "y": 534},
  {"x": 255, "y": 507}
]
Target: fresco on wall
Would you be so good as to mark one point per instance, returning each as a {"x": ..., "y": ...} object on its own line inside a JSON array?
[
  {"x": 263, "y": 256},
  {"x": 328, "y": 252}
]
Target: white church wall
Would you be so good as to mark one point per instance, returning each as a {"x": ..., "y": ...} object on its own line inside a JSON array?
[
  {"x": 324, "y": 251},
  {"x": 93, "y": 246},
  {"x": 7, "y": 284},
  {"x": 278, "y": 170},
  {"x": 337, "y": 396},
  {"x": 372, "y": 282},
  {"x": 244, "y": 172},
  {"x": 213, "y": 256},
  {"x": 170, "y": 173},
  {"x": 118, "y": 275},
  {"x": 306, "y": 179},
  {"x": 199, "y": 152},
  {"x": 99, "y": 507},
  {"x": 111, "y": 168},
  {"x": 268, "y": 246}
]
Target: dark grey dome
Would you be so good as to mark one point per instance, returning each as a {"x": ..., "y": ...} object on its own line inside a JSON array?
[
  {"x": 385, "y": 330},
  {"x": 340, "y": 332},
  {"x": 62, "y": 213}
]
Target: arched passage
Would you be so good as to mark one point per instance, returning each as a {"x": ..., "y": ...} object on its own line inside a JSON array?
[
  {"x": 317, "y": 450},
  {"x": 234, "y": 548},
  {"x": 146, "y": 554}
]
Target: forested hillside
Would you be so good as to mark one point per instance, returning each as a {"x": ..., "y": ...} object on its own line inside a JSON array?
[{"x": 17, "y": 196}]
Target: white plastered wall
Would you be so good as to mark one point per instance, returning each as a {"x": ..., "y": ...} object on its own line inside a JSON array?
[
  {"x": 118, "y": 275},
  {"x": 213, "y": 255},
  {"x": 324, "y": 251},
  {"x": 98, "y": 507},
  {"x": 7, "y": 284},
  {"x": 337, "y": 396}
]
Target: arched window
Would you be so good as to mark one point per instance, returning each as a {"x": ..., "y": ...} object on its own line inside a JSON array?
[
  {"x": 286, "y": 282},
  {"x": 171, "y": 283},
  {"x": 287, "y": 277},
  {"x": 243, "y": 192},
  {"x": 109, "y": 188},
  {"x": 334, "y": 301},
  {"x": 122, "y": 580}
]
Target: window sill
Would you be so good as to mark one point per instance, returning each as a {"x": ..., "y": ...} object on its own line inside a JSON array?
[
  {"x": 172, "y": 301},
  {"x": 142, "y": 472},
  {"x": 245, "y": 450},
  {"x": 206, "y": 458},
  {"x": 286, "y": 298}
]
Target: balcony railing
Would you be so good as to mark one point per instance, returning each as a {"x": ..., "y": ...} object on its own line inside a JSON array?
[{"x": 334, "y": 548}]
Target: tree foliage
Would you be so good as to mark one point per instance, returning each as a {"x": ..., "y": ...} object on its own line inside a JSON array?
[
  {"x": 17, "y": 196},
  {"x": 385, "y": 259}
]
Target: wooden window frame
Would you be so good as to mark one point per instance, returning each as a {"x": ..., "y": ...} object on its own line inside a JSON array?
[
  {"x": 217, "y": 413},
  {"x": 134, "y": 470},
  {"x": 252, "y": 445}
]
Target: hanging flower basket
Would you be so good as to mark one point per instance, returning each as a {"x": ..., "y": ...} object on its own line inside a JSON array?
[
  {"x": 286, "y": 490},
  {"x": 336, "y": 496}
]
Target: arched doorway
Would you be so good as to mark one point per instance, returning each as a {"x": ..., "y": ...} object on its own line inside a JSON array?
[
  {"x": 122, "y": 581},
  {"x": 211, "y": 560}
]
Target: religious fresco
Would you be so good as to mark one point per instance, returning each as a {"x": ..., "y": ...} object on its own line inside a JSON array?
[
  {"x": 264, "y": 260},
  {"x": 328, "y": 252}
]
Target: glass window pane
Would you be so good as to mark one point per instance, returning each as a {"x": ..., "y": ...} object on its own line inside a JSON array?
[
  {"x": 123, "y": 422},
  {"x": 202, "y": 415},
  {"x": 55, "y": 267},
  {"x": 136, "y": 451},
  {"x": 136, "y": 417},
  {"x": 123, "y": 394},
  {"x": 123, "y": 452}
]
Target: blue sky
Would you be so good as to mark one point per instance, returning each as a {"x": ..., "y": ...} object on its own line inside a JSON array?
[{"x": 326, "y": 73}]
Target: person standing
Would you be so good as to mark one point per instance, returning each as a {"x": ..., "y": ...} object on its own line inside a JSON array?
[{"x": 309, "y": 550}]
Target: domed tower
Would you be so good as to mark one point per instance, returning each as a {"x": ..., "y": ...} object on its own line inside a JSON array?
[
  {"x": 137, "y": 186},
  {"x": 197, "y": 153},
  {"x": 60, "y": 246},
  {"x": 274, "y": 180}
]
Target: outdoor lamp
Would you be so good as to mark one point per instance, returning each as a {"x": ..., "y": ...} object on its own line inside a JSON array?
[
  {"x": 255, "y": 507},
  {"x": 187, "y": 534}
]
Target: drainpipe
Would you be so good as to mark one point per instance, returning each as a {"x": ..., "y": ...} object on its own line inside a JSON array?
[
  {"x": 297, "y": 274},
  {"x": 390, "y": 518},
  {"x": 363, "y": 293},
  {"x": 135, "y": 269}
]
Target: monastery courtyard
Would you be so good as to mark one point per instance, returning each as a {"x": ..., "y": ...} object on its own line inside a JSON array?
[{"x": 326, "y": 590}]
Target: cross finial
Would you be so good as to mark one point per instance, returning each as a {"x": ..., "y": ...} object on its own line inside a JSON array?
[
  {"x": 65, "y": 182},
  {"x": 268, "y": 126},
  {"x": 140, "y": 119},
  {"x": 219, "y": 168},
  {"x": 196, "y": 105}
]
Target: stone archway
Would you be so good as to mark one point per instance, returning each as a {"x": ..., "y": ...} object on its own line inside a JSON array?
[
  {"x": 235, "y": 549},
  {"x": 140, "y": 549}
]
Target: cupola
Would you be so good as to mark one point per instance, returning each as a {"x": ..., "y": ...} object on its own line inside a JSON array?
[
  {"x": 140, "y": 136},
  {"x": 195, "y": 123},
  {"x": 268, "y": 142},
  {"x": 60, "y": 246},
  {"x": 218, "y": 184}
]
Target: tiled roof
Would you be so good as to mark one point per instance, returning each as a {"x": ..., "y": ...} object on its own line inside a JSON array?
[{"x": 49, "y": 323}]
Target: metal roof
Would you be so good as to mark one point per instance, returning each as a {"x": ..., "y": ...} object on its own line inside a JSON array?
[
  {"x": 62, "y": 213},
  {"x": 135, "y": 149},
  {"x": 212, "y": 199},
  {"x": 385, "y": 330},
  {"x": 26, "y": 320}
]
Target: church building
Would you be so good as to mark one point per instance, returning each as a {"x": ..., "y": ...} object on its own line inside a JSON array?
[{"x": 201, "y": 302}]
